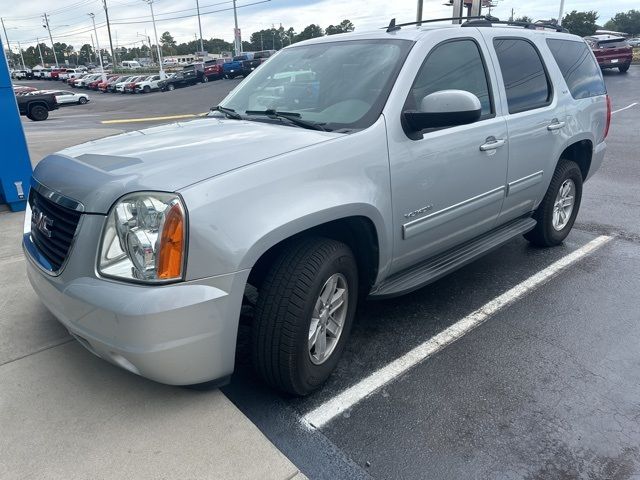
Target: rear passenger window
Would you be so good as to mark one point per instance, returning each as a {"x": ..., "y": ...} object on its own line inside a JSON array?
[
  {"x": 454, "y": 65},
  {"x": 579, "y": 69},
  {"x": 525, "y": 79}
]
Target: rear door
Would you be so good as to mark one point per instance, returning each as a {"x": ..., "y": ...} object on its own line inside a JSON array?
[
  {"x": 447, "y": 184},
  {"x": 535, "y": 111}
]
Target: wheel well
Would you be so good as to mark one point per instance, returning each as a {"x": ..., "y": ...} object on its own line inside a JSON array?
[
  {"x": 359, "y": 233},
  {"x": 580, "y": 152}
]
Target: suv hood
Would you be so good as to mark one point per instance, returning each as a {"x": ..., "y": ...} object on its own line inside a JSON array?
[{"x": 166, "y": 158}]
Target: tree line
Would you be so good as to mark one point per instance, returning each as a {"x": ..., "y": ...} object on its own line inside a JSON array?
[{"x": 266, "y": 39}]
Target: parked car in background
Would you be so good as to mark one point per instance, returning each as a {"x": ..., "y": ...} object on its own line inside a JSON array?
[
  {"x": 611, "y": 51},
  {"x": 102, "y": 85},
  {"x": 70, "y": 73},
  {"x": 176, "y": 80},
  {"x": 86, "y": 80},
  {"x": 46, "y": 74},
  {"x": 634, "y": 42},
  {"x": 110, "y": 87},
  {"x": 66, "y": 97},
  {"x": 122, "y": 83},
  {"x": 55, "y": 73},
  {"x": 93, "y": 85},
  {"x": 234, "y": 68},
  {"x": 37, "y": 72},
  {"x": 23, "y": 74},
  {"x": 194, "y": 73},
  {"x": 132, "y": 64},
  {"x": 213, "y": 68},
  {"x": 36, "y": 106},
  {"x": 149, "y": 84},
  {"x": 130, "y": 87},
  {"x": 72, "y": 80}
]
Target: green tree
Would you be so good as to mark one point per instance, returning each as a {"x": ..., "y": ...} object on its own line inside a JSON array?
[
  {"x": 343, "y": 27},
  {"x": 625, "y": 22},
  {"x": 310, "y": 31},
  {"x": 168, "y": 44},
  {"x": 86, "y": 54},
  {"x": 523, "y": 19},
  {"x": 582, "y": 24}
]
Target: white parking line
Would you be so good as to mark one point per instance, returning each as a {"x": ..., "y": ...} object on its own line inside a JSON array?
[
  {"x": 625, "y": 108},
  {"x": 365, "y": 387}
]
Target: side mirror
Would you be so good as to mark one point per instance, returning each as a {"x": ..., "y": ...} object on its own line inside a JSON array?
[{"x": 446, "y": 108}]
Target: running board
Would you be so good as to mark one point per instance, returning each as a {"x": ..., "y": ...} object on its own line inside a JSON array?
[{"x": 437, "y": 267}]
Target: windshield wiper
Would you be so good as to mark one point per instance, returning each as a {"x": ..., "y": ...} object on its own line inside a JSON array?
[
  {"x": 228, "y": 112},
  {"x": 291, "y": 116}
]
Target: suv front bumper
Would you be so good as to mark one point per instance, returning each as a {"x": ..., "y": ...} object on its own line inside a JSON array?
[{"x": 178, "y": 334}]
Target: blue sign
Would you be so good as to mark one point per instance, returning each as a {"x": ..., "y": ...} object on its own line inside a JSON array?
[{"x": 15, "y": 165}]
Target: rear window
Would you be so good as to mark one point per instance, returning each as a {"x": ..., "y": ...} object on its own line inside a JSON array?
[
  {"x": 579, "y": 69},
  {"x": 525, "y": 78},
  {"x": 613, "y": 44}
]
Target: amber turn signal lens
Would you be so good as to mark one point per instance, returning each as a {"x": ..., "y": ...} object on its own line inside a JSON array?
[{"x": 171, "y": 249}]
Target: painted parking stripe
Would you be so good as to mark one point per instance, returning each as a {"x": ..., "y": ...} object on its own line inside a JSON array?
[
  {"x": 625, "y": 108},
  {"x": 365, "y": 387},
  {"x": 153, "y": 119}
]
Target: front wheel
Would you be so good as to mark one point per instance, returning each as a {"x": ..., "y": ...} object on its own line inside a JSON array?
[
  {"x": 304, "y": 313},
  {"x": 559, "y": 207},
  {"x": 171, "y": 87},
  {"x": 205, "y": 79},
  {"x": 82, "y": 100}
]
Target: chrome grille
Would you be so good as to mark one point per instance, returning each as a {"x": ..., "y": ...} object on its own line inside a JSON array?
[{"x": 53, "y": 227}]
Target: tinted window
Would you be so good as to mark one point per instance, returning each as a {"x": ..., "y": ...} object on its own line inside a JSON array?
[
  {"x": 525, "y": 79},
  {"x": 454, "y": 65},
  {"x": 578, "y": 67}
]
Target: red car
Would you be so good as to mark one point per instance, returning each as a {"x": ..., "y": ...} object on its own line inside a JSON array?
[
  {"x": 55, "y": 73},
  {"x": 213, "y": 68},
  {"x": 102, "y": 86},
  {"x": 94, "y": 85},
  {"x": 611, "y": 51},
  {"x": 130, "y": 87}
]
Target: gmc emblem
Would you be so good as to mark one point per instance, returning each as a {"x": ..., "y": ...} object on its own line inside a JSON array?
[{"x": 41, "y": 222}]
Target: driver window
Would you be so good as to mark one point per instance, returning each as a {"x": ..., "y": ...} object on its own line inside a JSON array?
[{"x": 456, "y": 65}]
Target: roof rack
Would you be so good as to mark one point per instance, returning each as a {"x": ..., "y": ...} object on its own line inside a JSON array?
[{"x": 479, "y": 21}]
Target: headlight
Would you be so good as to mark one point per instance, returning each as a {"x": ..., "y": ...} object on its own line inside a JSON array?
[{"x": 145, "y": 238}]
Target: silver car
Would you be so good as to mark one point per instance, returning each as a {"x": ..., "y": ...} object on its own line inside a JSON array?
[{"x": 345, "y": 167}]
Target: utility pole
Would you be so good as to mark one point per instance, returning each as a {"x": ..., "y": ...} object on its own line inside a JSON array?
[
  {"x": 419, "y": 12},
  {"x": 21, "y": 57},
  {"x": 237, "y": 43},
  {"x": 106, "y": 14},
  {"x": 93, "y": 19},
  {"x": 7, "y": 39},
  {"x": 155, "y": 33},
  {"x": 200, "y": 26},
  {"x": 512, "y": 15},
  {"x": 46, "y": 25},
  {"x": 561, "y": 12},
  {"x": 40, "y": 52},
  {"x": 93, "y": 45},
  {"x": 261, "y": 42}
]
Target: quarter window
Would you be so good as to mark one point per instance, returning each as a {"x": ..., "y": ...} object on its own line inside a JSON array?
[
  {"x": 523, "y": 73},
  {"x": 456, "y": 65},
  {"x": 579, "y": 69}
]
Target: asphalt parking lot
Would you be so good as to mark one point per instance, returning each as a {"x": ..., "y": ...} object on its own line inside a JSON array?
[{"x": 546, "y": 386}]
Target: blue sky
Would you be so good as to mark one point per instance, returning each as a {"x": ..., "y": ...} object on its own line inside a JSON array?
[{"x": 71, "y": 24}]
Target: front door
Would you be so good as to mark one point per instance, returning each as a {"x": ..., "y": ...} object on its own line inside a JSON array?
[{"x": 449, "y": 185}]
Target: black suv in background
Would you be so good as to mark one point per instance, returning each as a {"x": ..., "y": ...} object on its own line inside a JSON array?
[
  {"x": 258, "y": 59},
  {"x": 194, "y": 73},
  {"x": 177, "y": 80}
]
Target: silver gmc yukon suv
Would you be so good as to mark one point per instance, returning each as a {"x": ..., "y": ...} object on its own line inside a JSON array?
[{"x": 345, "y": 167}]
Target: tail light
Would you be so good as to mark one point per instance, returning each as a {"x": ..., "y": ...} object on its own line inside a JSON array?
[{"x": 608, "y": 123}]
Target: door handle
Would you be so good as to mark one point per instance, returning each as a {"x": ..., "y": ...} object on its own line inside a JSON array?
[
  {"x": 492, "y": 143},
  {"x": 555, "y": 125}
]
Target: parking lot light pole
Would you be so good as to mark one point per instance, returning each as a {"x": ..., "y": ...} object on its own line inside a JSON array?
[
  {"x": 155, "y": 34},
  {"x": 200, "y": 27},
  {"x": 21, "y": 57},
  {"x": 93, "y": 19},
  {"x": 40, "y": 52},
  {"x": 561, "y": 12}
]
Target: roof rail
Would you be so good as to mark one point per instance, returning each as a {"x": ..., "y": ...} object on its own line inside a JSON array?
[{"x": 478, "y": 21}]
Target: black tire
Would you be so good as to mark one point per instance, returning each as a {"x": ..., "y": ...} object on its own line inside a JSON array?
[
  {"x": 205, "y": 79},
  {"x": 146, "y": 89},
  {"x": 544, "y": 234},
  {"x": 38, "y": 113},
  {"x": 283, "y": 313},
  {"x": 624, "y": 68},
  {"x": 82, "y": 100},
  {"x": 171, "y": 87}
]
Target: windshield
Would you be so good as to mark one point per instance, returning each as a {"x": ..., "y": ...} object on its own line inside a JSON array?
[{"x": 338, "y": 85}]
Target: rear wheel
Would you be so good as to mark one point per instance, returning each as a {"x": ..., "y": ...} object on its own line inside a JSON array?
[
  {"x": 304, "y": 314},
  {"x": 558, "y": 210},
  {"x": 38, "y": 113},
  {"x": 624, "y": 68}
]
